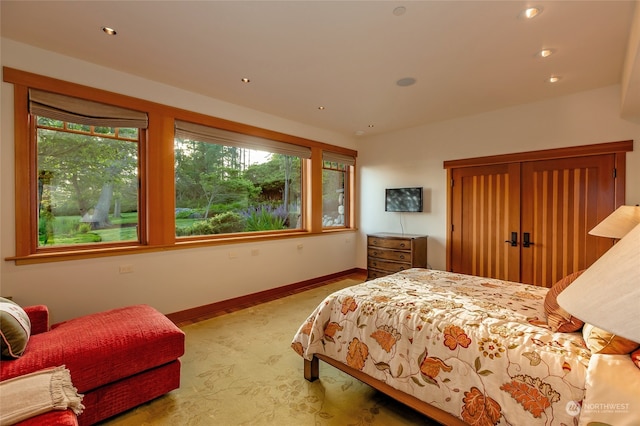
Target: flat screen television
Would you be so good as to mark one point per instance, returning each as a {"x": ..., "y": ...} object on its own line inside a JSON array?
[{"x": 403, "y": 199}]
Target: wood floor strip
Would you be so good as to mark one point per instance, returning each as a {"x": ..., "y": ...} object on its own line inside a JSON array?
[{"x": 201, "y": 313}]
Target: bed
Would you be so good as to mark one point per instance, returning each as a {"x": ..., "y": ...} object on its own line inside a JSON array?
[{"x": 460, "y": 349}]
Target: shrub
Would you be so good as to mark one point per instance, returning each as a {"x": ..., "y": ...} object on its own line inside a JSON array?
[
  {"x": 265, "y": 218},
  {"x": 216, "y": 209},
  {"x": 225, "y": 223},
  {"x": 201, "y": 227},
  {"x": 83, "y": 228},
  {"x": 222, "y": 223},
  {"x": 183, "y": 213},
  {"x": 183, "y": 231}
]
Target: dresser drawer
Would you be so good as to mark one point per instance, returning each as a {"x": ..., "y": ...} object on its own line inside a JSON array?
[
  {"x": 380, "y": 253},
  {"x": 372, "y": 274},
  {"x": 388, "y": 253},
  {"x": 391, "y": 243},
  {"x": 387, "y": 265}
]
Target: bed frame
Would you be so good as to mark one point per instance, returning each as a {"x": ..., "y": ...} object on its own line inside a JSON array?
[{"x": 312, "y": 373}]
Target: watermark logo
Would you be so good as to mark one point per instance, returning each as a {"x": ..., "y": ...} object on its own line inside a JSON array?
[
  {"x": 573, "y": 408},
  {"x": 606, "y": 407}
]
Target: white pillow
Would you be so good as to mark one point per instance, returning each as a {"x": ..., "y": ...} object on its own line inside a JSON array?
[{"x": 612, "y": 394}]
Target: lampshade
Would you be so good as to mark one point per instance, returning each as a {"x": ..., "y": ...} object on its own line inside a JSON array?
[
  {"x": 607, "y": 294},
  {"x": 618, "y": 223}
]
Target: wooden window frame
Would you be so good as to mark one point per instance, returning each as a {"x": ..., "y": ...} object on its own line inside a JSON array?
[
  {"x": 142, "y": 205},
  {"x": 157, "y": 167},
  {"x": 348, "y": 173}
]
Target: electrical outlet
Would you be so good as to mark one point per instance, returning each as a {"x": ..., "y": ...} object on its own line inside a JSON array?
[
  {"x": 126, "y": 269},
  {"x": 233, "y": 255},
  {"x": 300, "y": 246}
]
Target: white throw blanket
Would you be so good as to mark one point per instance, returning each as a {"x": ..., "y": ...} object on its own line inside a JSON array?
[{"x": 27, "y": 396}]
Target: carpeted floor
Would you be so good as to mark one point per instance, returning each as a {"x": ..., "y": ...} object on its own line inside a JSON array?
[{"x": 239, "y": 369}]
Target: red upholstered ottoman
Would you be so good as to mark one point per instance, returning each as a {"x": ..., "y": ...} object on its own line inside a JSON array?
[{"x": 118, "y": 359}]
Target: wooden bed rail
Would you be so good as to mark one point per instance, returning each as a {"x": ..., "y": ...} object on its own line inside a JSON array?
[{"x": 312, "y": 373}]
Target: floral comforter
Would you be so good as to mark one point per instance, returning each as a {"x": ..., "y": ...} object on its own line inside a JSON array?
[{"x": 475, "y": 347}]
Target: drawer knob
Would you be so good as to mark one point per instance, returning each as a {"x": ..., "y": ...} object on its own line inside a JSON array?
[
  {"x": 402, "y": 256},
  {"x": 401, "y": 244}
]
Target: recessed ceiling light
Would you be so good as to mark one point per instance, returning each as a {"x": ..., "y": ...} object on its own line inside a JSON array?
[
  {"x": 109, "y": 31},
  {"x": 371, "y": 126},
  {"x": 554, "y": 79},
  {"x": 545, "y": 53},
  {"x": 245, "y": 80},
  {"x": 320, "y": 107},
  {"x": 407, "y": 81},
  {"x": 531, "y": 12}
]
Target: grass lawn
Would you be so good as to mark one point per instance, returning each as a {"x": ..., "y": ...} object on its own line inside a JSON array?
[{"x": 124, "y": 228}]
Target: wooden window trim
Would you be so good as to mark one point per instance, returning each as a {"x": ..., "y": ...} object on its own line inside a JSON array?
[
  {"x": 158, "y": 169},
  {"x": 348, "y": 171},
  {"x": 142, "y": 178}
]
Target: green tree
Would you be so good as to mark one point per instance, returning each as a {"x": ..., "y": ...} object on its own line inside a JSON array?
[
  {"x": 276, "y": 178},
  {"x": 217, "y": 179},
  {"x": 194, "y": 159},
  {"x": 85, "y": 171},
  {"x": 231, "y": 188},
  {"x": 208, "y": 174}
]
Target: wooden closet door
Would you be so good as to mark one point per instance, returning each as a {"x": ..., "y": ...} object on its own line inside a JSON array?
[
  {"x": 485, "y": 211},
  {"x": 561, "y": 201},
  {"x": 552, "y": 197}
]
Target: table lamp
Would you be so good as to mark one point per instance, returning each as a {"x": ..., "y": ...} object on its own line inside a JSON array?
[
  {"x": 619, "y": 223},
  {"x": 607, "y": 294}
]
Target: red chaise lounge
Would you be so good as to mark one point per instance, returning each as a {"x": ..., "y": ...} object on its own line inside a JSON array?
[{"x": 118, "y": 359}]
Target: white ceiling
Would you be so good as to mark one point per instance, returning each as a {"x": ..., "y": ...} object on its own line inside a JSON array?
[{"x": 467, "y": 57}]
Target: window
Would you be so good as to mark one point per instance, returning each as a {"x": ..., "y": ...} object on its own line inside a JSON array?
[
  {"x": 228, "y": 182},
  {"x": 99, "y": 173},
  {"x": 87, "y": 172},
  {"x": 87, "y": 184},
  {"x": 335, "y": 189}
]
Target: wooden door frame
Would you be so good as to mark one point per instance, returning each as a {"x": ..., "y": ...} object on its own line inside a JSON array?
[{"x": 618, "y": 148}]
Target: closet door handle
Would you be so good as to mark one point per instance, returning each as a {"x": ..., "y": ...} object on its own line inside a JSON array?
[
  {"x": 514, "y": 239},
  {"x": 526, "y": 240}
]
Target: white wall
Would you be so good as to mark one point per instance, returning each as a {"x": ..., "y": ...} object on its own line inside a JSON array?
[
  {"x": 176, "y": 280},
  {"x": 173, "y": 280},
  {"x": 414, "y": 157}
]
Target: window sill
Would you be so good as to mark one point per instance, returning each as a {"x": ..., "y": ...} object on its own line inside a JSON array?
[{"x": 60, "y": 256}]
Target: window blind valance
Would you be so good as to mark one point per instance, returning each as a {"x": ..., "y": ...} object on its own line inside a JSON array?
[
  {"x": 81, "y": 111},
  {"x": 186, "y": 130},
  {"x": 335, "y": 157}
]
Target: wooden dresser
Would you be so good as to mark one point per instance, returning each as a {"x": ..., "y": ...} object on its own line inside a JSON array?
[{"x": 388, "y": 253}]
